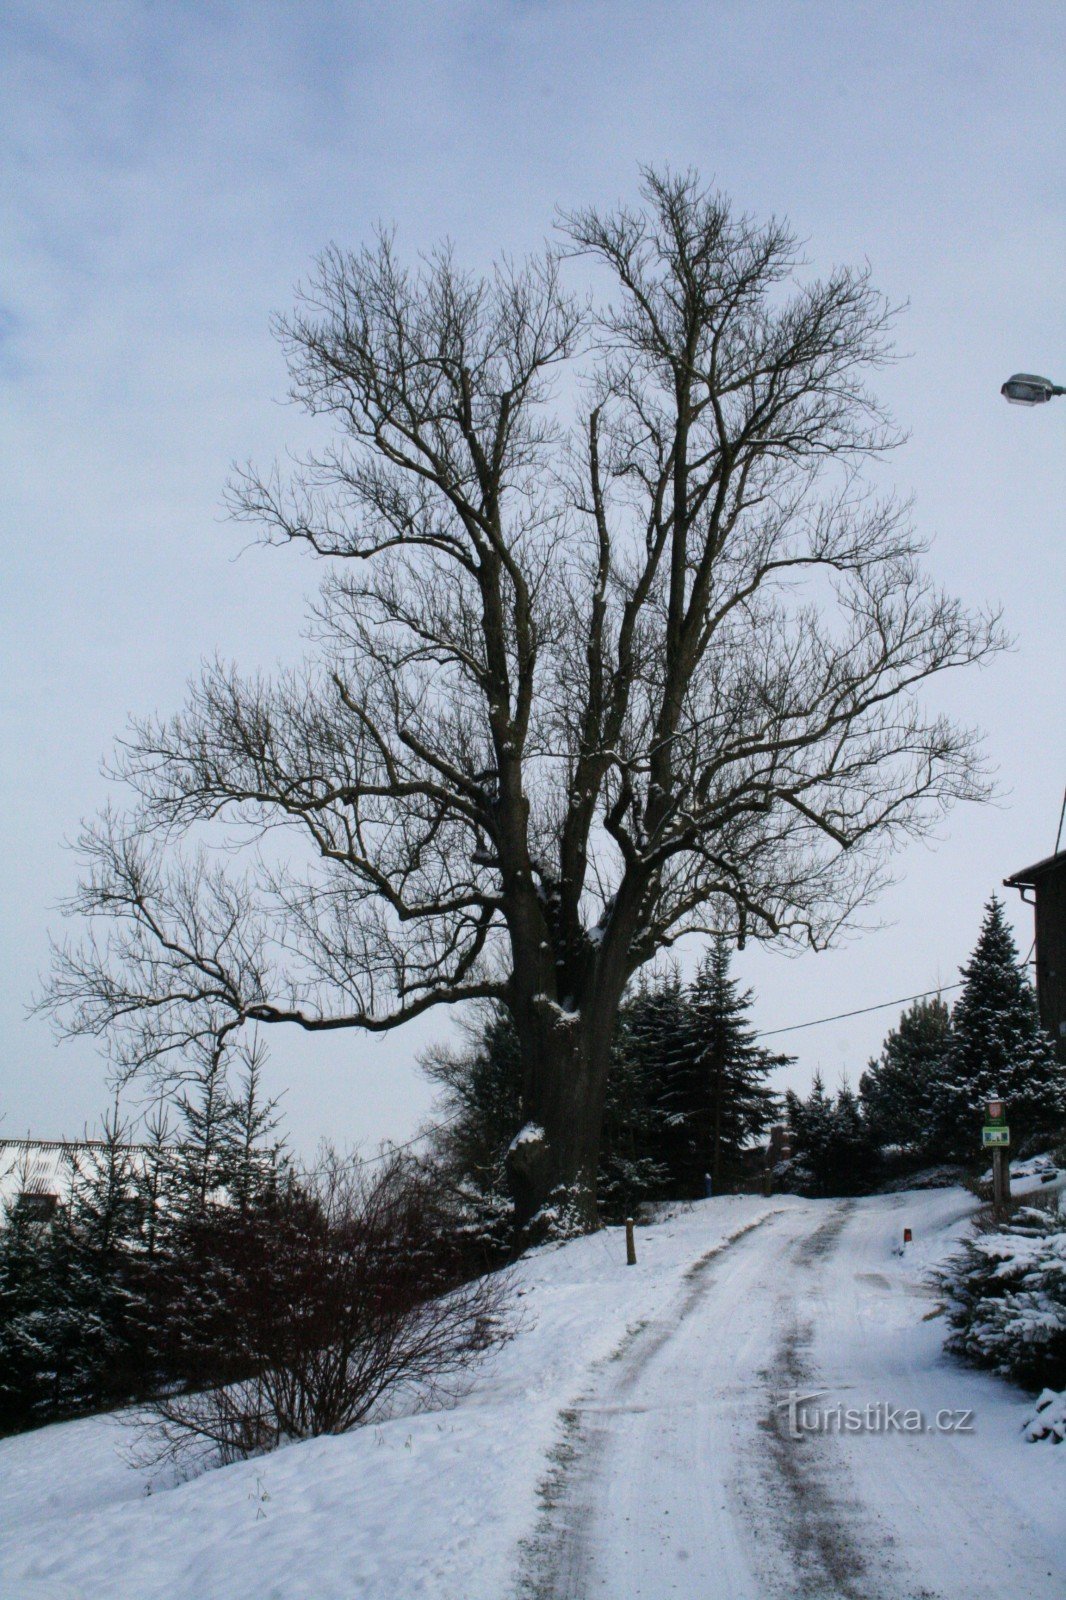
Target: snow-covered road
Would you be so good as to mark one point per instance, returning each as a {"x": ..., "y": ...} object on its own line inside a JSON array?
[
  {"x": 628, "y": 1443},
  {"x": 680, "y": 1474}
]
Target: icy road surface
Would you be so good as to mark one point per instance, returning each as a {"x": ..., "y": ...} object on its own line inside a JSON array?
[{"x": 629, "y": 1442}]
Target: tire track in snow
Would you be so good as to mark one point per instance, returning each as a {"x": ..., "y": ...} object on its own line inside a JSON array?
[
  {"x": 929, "y": 1519},
  {"x": 558, "y": 1561},
  {"x": 825, "y": 1542},
  {"x": 788, "y": 1530}
]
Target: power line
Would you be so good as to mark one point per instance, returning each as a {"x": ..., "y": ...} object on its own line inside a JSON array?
[
  {"x": 764, "y": 1033},
  {"x": 884, "y": 1005},
  {"x": 394, "y": 1149}
]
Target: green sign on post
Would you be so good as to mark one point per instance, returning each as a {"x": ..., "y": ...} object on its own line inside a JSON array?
[{"x": 996, "y": 1133}]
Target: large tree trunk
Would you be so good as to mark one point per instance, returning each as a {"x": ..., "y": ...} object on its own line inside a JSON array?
[{"x": 554, "y": 1160}]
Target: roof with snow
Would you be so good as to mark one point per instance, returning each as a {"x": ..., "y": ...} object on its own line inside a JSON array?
[
  {"x": 1028, "y": 876},
  {"x": 32, "y": 1167},
  {"x": 45, "y": 1166}
]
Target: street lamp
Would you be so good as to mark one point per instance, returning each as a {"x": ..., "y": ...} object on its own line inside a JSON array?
[{"x": 1026, "y": 389}]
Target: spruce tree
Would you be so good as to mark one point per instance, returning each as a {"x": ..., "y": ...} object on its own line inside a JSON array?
[
  {"x": 482, "y": 1112},
  {"x": 810, "y": 1124},
  {"x": 250, "y": 1157},
  {"x": 997, "y": 1048},
  {"x": 104, "y": 1356},
  {"x": 32, "y": 1317},
  {"x": 650, "y": 1063},
  {"x": 205, "y": 1115},
  {"x": 899, "y": 1090},
  {"x": 158, "y": 1196},
  {"x": 639, "y": 1122},
  {"x": 688, "y": 1092},
  {"x": 155, "y": 1181},
  {"x": 132, "y": 1282},
  {"x": 190, "y": 1278},
  {"x": 851, "y": 1162},
  {"x": 830, "y": 1140},
  {"x": 71, "y": 1322},
  {"x": 732, "y": 1105},
  {"x": 225, "y": 1183}
]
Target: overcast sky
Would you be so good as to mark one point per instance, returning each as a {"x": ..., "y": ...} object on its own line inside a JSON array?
[{"x": 170, "y": 170}]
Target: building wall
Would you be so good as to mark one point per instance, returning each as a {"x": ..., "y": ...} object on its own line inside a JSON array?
[{"x": 1051, "y": 955}]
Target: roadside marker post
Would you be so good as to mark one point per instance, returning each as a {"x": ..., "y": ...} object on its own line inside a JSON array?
[
  {"x": 631, "y": 1244},
  {"x": 996, "y": 1135}
]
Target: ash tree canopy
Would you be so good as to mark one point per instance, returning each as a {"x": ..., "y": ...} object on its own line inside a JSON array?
[{"x": 614, "y": 644}]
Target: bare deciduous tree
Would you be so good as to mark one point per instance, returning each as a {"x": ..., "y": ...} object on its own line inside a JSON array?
[{"x": 598, "y": 665}]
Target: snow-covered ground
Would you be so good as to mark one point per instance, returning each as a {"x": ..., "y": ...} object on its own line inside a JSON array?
[
  {"x": 1037, "y": 1175},
  {"x": 627, "y": 1443}
]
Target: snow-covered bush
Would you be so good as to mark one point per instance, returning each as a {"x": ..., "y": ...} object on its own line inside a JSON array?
[
  {"x": 1048, "y": 1418},
  {"x": 1008, "y": 1298},
  {"x": 560, "y": 1218}
]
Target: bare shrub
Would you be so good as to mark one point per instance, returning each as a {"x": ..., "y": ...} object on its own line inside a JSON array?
[{"x": 340, "y": 1299}]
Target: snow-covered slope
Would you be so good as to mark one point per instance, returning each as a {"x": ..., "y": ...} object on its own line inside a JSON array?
[{"x": 624, "y": 1443}]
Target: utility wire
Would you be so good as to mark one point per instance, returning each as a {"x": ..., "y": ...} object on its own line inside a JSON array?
[
  {"x": 767, "y": 1033},
  {"x": 796, "y": 1027},
  {"x": 393, "y": 1149},
  {"x": 437, "y": 1127}
]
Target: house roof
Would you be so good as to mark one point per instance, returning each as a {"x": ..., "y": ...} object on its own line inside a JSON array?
[
  {"x": 45, "y": 1166},
  {"x": 1028, "y": 876}
]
